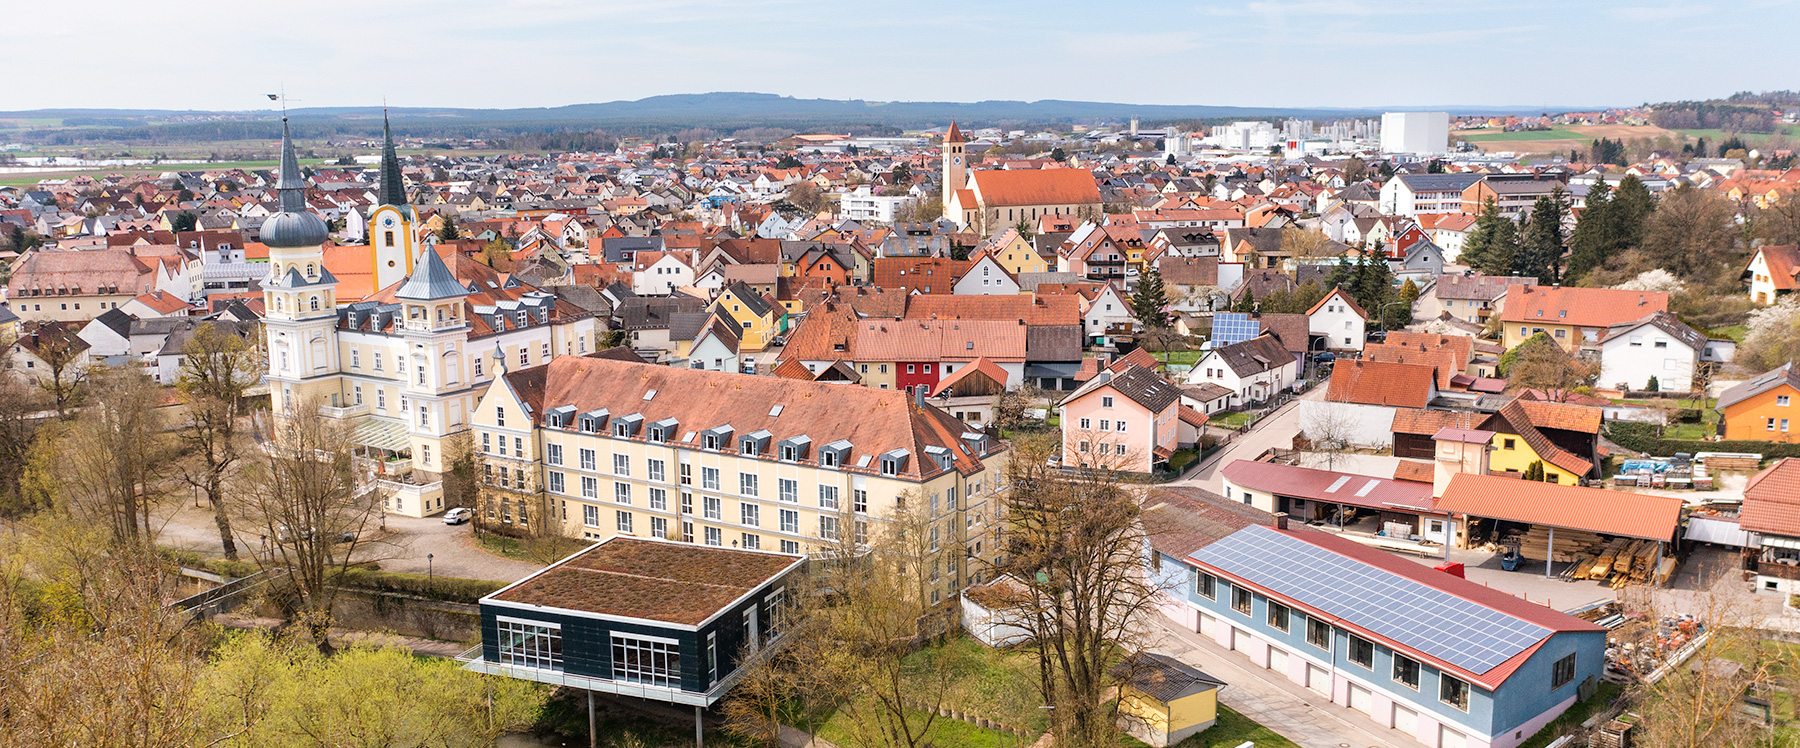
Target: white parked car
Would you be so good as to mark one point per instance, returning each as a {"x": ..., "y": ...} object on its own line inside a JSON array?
[{"x": 458, "y": 515}]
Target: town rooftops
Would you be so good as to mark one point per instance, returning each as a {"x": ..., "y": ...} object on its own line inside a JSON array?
[
  {"x": 1580, "y": 307},
  {"x": 1256, "y": 355},
  {"x": 1592, "y": 509},
  {"x": 1478, "y": 287},
  {"x": 1479, "y": 634},
  {"x": 1429, "y": 422},
  {"x": 1438, "y": 182},
  {"x": 651, "y": 580},
  {"x": 1330, "y": 486},
  {"x": 1785, "y": 374},
  {"x": 1772, "y": 500},
  {"x": 1380, "y": 383}
]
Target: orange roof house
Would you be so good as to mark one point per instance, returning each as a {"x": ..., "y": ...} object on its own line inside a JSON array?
[{"x": 1382, "y": 383}]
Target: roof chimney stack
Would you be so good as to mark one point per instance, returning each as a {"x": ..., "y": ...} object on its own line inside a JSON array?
[{"x": 1281, "y": 520}]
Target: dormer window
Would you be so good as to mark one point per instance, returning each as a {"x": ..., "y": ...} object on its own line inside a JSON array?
[
  {"x": 594, "y": 421},
  {"x": 755, "y": 443},
  {"x": 663, "y": 431},
  {"x": 717, "y": 437},
  {"x": 627, "y": 426},
  {"x": 893, "y": 461}
]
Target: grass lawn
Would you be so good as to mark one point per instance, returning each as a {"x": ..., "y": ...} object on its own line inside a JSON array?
[
  {"x": 1231, "y": 731},
  {"x": 1236, "y": 420},
  {"x": 29, "y": 179},
  {"x": 944, "y": 731},
  {"x": 1574, "y": 716},
  {"x": 1555, "y": 133},
  {"x": 1181, "y": 358},
  {"x": 1734, "y": 332},
  {"x": 1001, "y": 684},
  {"x": 536, "y": 550}
]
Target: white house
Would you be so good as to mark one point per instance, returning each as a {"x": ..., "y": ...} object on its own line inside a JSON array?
[
  {"x": 986, "y": 278},
  {"x": 862, "y": 204},
  {"x": 715, "y": 348},
  {"x": 662, "y": 277},
  {"x": 1413, "y": 194},
  {"x": 1339, "y": 320},
  {"x": 1252, "y": 370},
  {"x": 1108, "y": 311},
  {"x": 1659, "y": 346}
]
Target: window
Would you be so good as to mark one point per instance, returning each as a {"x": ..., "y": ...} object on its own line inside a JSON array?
[
  {"x": 590, "y": 516},
  {"x": 687, "y": 474},
  {"x": 1406, "y": 671},
  {"x": 553, "y": 453},
  {"x": 789, "y": 546},
  {"x": 1086, "y": 423},
  {"x": 624, "y": 521},
  {"x": 1781, "y": 400},
  {"x": 646, "y": 660},
  {"x": 1119, "y": 426},
  {"x": 659, "y": 528},
  {"x": 1318, "y": 634},
  {"x": 1106, "y": 401},
  {"x": 712, "y": 507},
  {"x": 1105, "y": 425},
  {"x": 587, "y": 459},
  {"x": 828, "y": 527},
  {"x": 537, "y": 645},
  {"x": 590, "y": 487},
  {"x": 1278, "y": 615},
  {"x": 659, "y": 499},
  {"x": 657, "y": 472},
  {"x": 712, "y": 658},
  {"x": 499, "y": 412},
  {"x": 524, "y": 356},
  {"x": 714, "y": 536},
  {"x": 556, "y": 482},
  {"x": 687, "y": 503},
  {"x": 859, "y": 501},
  {"x": 1506, "y": 444},
  {"x": 1453, "y": 692},
  {"x": 622, "y": 465},
  {"x": 747, "y": 484},
  {"x": 622, "y": 493},
  {"x": 752, "y": 541},
  {"x": 749, "y": 514},
  {"x": 790, "y": 520},
  {"x": 487, "y": 444},
  {"x": 1240, "y": 599},
  {"x": 709, "y": 478},
  {"x": 789, "y": 490},
  {"x": 1207, "y": 586},
  {"x": 1362, "y": 651},
  {"x": 1562, "y": 673},
  {"x": 828, "y": 497}
]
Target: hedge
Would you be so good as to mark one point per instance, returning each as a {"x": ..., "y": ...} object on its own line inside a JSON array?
[
  {"x": 1644, "y": 437},
  {"x": 449, "y": 589}
]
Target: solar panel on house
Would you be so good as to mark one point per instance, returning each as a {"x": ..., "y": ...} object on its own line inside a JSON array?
[
  {"x": 1437, "y": 623},
  {"x": 1233, "y": 327}
]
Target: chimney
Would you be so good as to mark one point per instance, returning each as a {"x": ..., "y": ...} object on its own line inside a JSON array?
[
  {"x": 1281, "y": 520},
  {"x": 919, "y": 396}
]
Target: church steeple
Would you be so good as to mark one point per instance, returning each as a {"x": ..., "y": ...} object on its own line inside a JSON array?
[
  {"x": 393, "y": 187},
  {"x": 954, "y": 150},
  {"x": 294, "y": 226}
]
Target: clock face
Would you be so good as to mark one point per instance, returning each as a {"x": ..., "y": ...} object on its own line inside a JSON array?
[
  {"x": 956, "y": 161},
  {"x": 388, "y": 221}
]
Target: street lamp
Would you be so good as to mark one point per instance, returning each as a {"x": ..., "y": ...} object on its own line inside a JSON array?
[
  {"x": 429, "y": 574},
  {"x": 1383, "y": 312}
]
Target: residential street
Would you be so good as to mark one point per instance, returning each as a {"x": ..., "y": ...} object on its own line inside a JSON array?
[{"x": 1275, "y": 431}]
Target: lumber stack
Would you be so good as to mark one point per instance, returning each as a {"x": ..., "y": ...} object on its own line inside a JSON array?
[{"x": 1570, "y": 544}]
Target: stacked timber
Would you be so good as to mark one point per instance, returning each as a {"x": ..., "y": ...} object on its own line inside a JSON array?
[{"x": 1570, "y": 544}]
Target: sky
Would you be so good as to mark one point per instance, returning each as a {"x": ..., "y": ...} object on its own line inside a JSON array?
[{"x": 209, "y": 54}]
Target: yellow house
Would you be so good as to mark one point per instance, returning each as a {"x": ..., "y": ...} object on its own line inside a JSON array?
[
  {"x": 1164, "y": 700},
  {"x": 759, "y": 320},
  {"x": 1010, "y": 249},
  {"x": 1573, "y": 317},
  {"x": 1518, "y": 442}
]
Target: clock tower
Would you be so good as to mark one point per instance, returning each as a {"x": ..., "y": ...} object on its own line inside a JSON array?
[
  {"x": 393, "y": 225},
  {"x": 954, "y": 179}
]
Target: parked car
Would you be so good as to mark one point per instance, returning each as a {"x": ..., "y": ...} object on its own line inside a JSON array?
[
  {"x": 1324, "y": 357},
  {"x": 458, "y": 515}
]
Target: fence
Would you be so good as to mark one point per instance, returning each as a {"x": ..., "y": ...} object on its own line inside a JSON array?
[{"x": 978, "y": 720}]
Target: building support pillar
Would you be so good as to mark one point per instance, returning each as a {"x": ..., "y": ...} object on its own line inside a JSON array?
[
  {"x": 1656, "y": 565},
  {"x": 699, "y": 727},
  {"x": 593, "y": 723},
  {"x": 1550, "y": 556},
  {"x": 1449, "y": 534}
]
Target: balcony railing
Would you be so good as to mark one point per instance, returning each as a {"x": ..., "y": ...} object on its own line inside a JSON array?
[
  {"x": 345, "y": 411},
  {"x": 1777, "y": 570}
]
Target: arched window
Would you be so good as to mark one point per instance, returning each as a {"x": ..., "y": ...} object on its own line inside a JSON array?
[
  {"x": 315, "y": 303},
  {"x": 279, "y": 306},
  {"x": 311, "y": 271}
]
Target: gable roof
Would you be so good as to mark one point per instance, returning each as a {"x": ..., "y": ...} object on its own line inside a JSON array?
[
  {"x": 1380, "y": 383},
  {"x": 1592, "y": 509},
  {"x": 1330, "y": 486},
  {"x": 1340, "y": 294},
  {"x": 1002, "y": 188},
  {"x": 1784, "y": 266},
  {"x": 1582, "y": 307},
  {"x": 1786, "y": 374},
  {"x": 1164, "y": 678},
  {"x": 1772, "y": 499},
  {"x": 1520, "y": 419},
  {"x": 1179, "y": 520},
  {"x": 1256, "y": 355},
  {"x": 1428, "y": 422}
]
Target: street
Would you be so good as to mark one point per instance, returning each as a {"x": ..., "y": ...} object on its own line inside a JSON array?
[{"x": 1272, "y": 432}]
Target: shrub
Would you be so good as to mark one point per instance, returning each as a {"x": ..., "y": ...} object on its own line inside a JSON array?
[
  {"x": 1688, "y": 415},
  {"x": 1642, "y": 437},
  {"x": 449, "y": 589}
]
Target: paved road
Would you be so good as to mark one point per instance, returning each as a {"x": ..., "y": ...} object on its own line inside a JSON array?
[
  {"x": 1277, "y": 430},
  {"x": 410, "y": 545}
]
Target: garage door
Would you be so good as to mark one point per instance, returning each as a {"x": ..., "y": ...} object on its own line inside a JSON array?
[
  {"x": 1448, "y": 738},
  {"x": 1278, "y": 660},
  {"x": 1406, "y": 720},
  {"x": 1240, "y": 641},
  {"x": 1318, "y": 679},
  {"x": 1206, "y": 624},
  {"x": 1362, "y": 700}
]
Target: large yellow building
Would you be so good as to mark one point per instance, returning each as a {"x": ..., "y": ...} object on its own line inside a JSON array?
[
  {"x": 592, "y": 447},
  {"x": 408, "y": 361}
]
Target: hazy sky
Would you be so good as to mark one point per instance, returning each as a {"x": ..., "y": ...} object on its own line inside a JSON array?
[{"x": 208, "y": 54}]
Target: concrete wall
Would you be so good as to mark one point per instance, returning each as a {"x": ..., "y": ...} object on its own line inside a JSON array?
[{"x": 1363, "y": 425}]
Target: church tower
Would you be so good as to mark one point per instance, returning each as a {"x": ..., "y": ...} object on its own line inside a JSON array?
[
  {"x": 299, "y": 293},
  {"x": 393, "y": 225},
  {"x": 954, "y": 146}
]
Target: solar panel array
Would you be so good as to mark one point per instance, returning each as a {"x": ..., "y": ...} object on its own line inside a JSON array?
[
  {"x": 1449, "y": 628},
  {"x": 1233, "y": 327}
]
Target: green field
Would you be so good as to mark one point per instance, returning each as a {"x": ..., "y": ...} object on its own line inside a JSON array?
[
  {"x": 1714, "y": 136},
  {"x": 28, "y": 179},
  {"x": 1555, "y": 133}
]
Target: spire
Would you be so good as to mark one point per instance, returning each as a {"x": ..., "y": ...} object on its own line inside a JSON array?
[
  {"x": 431, "y": 280},
  {"x": 954, "y": 135},
  {"x": 292, "y": 185},
  {"x": 393, "y": 188}
]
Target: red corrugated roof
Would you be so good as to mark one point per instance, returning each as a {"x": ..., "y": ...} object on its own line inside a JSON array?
[{"x": 1591, "y": 509}]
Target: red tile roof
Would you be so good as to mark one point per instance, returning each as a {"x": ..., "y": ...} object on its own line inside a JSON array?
[
  {"x": 1784, "y": 266},
  {"x": 1581, "y": 307},
  {"x": 1772, "y": 500},
  {"x": 1035, "y": 187},
  {"x": 1330, "y": 486},
  {"x": 1380, "y": 383},
  {"x": 1592, "y": 509}
]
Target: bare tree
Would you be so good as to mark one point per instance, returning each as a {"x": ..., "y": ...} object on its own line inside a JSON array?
[
  {"x": 1305, "y": 244},
  {"x": 219, "y": 364},
  {"x": 1697, "y": 704},
  {"x": 115, "y": 458},
  {"x": 62, "y": 354},
  {"x": 1331, "y": 430},
  {"x": 19, "y": 405},
  {"x": 301, "y": 489},
  {"x": 1075, "y": 545}
]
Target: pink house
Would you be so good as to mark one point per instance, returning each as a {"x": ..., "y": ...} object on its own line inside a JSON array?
[{"x": 1125, "y": 420}]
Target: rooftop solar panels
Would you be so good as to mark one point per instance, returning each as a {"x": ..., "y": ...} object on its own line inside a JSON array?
[
  {"x": 1449, "y": 628},
  {"x": 1233, "y": 327}
]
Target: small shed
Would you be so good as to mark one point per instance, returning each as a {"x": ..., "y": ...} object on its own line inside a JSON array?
[
  {"x": 1163, "y": 700},
  {"x": 982, "y": 615}
]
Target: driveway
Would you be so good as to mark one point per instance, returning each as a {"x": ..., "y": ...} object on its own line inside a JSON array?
[
  {"x": 1275, "y": 431},
  {"x": 414, "y": 546}
]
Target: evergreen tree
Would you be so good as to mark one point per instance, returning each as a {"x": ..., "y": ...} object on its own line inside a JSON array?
[
  {"x": 1386, "y": 170},
  {"x": 449, "y": 232},
  {"x": 1057, "y": 154},
  {"x": 1502, "y": 248},
  {"x": 1478, "y": 245},
  {"x": 1631, "y": 207},
  {"x": 1374, "y": 283},
  {"x": 1595, "y": 233},
  {"x": 1150, "y": 302},
  {"x": 1543, "y": 247},
  {"x": 1170, "y": 160},
  {"x": 1534, "y": 471},
  {"x": 1246, "y": 303}
]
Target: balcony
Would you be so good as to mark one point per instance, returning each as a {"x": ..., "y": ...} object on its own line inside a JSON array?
[
  {"x": 347, "y": 411},
  {"x": 1777, "y": 570}
]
